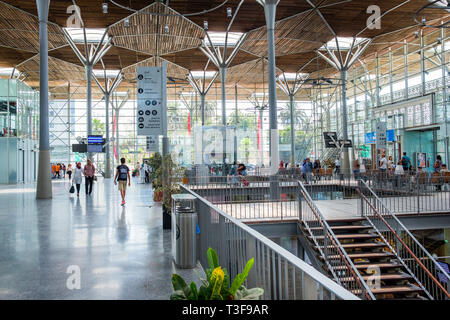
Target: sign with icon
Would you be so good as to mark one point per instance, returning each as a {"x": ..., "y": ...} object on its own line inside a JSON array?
[
  {"x": 152, "y": 144},
  {"x": 149, "y": 101}
]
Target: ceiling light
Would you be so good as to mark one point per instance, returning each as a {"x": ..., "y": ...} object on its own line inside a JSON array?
[
  {"x": 416, "y": 34},
  {"x": 205, "y": 25},
  {"x": 424, "y": 20},
  {"x": 229, "y": 12},
  {"x": 127, "y": 22},
  {"x": 105, "y": 7},
  {"x": 166, "y": 29}
]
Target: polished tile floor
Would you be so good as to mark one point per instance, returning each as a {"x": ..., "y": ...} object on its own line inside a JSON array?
[{"x": 121, "y": 252}]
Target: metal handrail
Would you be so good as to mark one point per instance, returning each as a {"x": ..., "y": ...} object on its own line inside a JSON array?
[
  {"x": 342, "y": 253},
  {"x": 404, "y": 229},
  {"x": 314, "y": 274}
]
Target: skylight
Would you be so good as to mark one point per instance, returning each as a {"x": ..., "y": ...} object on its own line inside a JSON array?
[
  {"x": 218, "y": 38},
  {"x": 188, "y": 93},
  {"x": 260, "y": 94},
  {"x": 345, "y": 43},
  {"x": 99, "y": 73},
  {"x": 207, "y": 74},
  {"x": 8, "y": 71},
  {"x": 93, "y": 35},
  {"x": 291, "y": 76}
]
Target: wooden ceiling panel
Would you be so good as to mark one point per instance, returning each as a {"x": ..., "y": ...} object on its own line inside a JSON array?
[
  {"x": 9, "y": 58},
  {"x": 20, "y": 30},
  {"x": 147, "y": 33},
  {"x": 57, "y": 70}
]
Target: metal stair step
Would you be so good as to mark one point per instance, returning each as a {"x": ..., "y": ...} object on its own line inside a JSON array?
[
  {"x": 352, "y": 236},
  {"x": 392, "y": 289},
  {"x": 366, "y": 255},
  {"x": 381, "y": 265},
  {"x": 346, "y": 227},
  {"x": 363, "y": 245},
  {"x": 385, "y": 276}
]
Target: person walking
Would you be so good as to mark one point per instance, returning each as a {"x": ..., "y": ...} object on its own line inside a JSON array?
[
  {"x": 78, "y": 177},
  {"x": 383, "y": 163},
  {"x": 337, "y": 164},
  {"x": 406, "y": 162},
  {"x": 89, "y": 173},
  {"x": 57, "y": 168},
  {"x": 69, "y": 171},
  {"x": 437, "y": 166},
  {"x": 122, "y": 175},
  {"x": 308, "y": 168},
  {"x": 390, "y": 164}
]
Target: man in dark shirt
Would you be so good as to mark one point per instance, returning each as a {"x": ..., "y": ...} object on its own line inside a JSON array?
[{"x": 122, "y": 175}]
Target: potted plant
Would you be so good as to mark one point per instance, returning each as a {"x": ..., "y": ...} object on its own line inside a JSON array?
[
  {"x": 167, "y": 185},
  {"x": 158, "y": 194},
  {"x": 216, "y": 286}
]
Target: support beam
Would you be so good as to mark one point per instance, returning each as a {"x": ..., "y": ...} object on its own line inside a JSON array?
[
  {"x": 44, "y": 184},
  {"x": 91, "y": 57},
  {"x": 444, "y": 96},
  {"x": 88, "y": 69},
  {"x": 108, "y": 89},
  {"x": 270, "y": 7}
]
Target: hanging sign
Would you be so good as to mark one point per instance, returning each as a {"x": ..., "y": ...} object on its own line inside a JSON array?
[
  {"x": 152, "y": 143},
  {"x": 381, "y": 138},
  {"x": 149, "y": 101}
]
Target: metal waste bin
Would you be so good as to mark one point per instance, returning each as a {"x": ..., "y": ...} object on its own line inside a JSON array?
[{"x": 184, "y": 230}]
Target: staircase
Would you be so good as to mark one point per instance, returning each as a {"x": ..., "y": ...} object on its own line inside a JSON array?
[{"x": 368, "y": 252}]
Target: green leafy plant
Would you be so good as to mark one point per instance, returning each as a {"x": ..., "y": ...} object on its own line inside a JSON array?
[{"x": 216, "y": 286}]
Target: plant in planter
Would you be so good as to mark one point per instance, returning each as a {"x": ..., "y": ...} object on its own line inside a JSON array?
[
  {"x": 158, "y": 194},
  {"x": 165, "y": 177},
  {"x": 216, "y": 286}
]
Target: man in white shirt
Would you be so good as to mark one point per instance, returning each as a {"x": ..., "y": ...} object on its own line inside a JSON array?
[
  {"x": 337, "y": 164},
  {"x": 383, "y": 163}
]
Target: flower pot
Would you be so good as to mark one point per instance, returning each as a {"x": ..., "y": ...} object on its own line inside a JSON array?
[
  {"x": 167, "y": 219},
  {"x": 185, "y": 180},
  {"x": 157, "y": 196}
]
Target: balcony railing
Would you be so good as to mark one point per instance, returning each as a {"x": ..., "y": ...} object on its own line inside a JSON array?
[{"x": 281, "y": 274}]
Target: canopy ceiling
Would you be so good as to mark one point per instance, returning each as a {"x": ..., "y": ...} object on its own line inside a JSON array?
[{"x": 300, "y": 31}]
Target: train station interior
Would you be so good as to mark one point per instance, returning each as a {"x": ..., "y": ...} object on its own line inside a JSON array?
[{"x": 299, "y": 147}]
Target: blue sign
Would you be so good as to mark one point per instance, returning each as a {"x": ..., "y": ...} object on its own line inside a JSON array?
[
  {"x": 95, "y": 139},
  {"x": 390, "y": 135},
  {"x": 371, "y": 138}
]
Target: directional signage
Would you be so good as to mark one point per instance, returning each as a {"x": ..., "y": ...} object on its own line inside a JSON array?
[
  {"x": 345, "y": 143},
  {"x": 380, "y": 135},
  {"x": 149, "y": 101},
  {"x": 152, "y": 144},
  {"x": 329, "y": 138}
]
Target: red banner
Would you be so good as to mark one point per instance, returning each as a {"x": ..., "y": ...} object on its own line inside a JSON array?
[
  {"x": 258, "y": 133},
  {"x": 189, "y": 124}
]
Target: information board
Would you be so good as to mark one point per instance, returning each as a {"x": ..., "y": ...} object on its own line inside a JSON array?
[
  {"x": 380, "y": 135},
  {"x": 152, "y": 143},
  {"x": 149, "y": 101}
]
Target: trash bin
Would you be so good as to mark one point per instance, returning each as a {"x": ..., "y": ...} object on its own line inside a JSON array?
[{"x": 184, "y": 230}]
